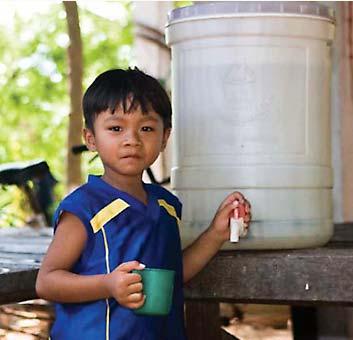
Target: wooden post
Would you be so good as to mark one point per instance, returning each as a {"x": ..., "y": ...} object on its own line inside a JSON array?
[
  {"x": 304, "y": 321},
  {"x": 75, "y": 61},
  {"x": 202, "y": 320},
  {"x": 153, "y": 56}
]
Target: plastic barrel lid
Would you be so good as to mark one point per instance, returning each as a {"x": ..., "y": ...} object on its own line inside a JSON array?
[{"x": 250, "y": 8}]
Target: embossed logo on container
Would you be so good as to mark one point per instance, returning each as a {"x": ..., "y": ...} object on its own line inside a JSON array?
[{"x": 239, "y": 89}]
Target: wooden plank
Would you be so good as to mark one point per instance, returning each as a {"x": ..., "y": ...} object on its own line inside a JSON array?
[
  {"x": 310, "y": 276},
  {"x": 26, "y": 232},
  {"x": 343, "y": 233},
  {"x": 17, "y": 286},
  {"x": 21, "y": 252}
]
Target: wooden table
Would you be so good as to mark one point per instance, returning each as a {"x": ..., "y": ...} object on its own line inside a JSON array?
[
  {"x": 21, "y": 252},
  {"x": 304, "y": 278},
  {"x": 312, "y": 277}
]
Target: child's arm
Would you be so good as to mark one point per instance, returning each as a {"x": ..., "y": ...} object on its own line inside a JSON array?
[
  {"x": 55, "y": 282},
  {"x": 201, "y": 251}
]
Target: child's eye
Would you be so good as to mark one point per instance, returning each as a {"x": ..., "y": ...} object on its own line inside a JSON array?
[
  {"x": 147, "y": 128},
  {"x": 115, "y": 128}
]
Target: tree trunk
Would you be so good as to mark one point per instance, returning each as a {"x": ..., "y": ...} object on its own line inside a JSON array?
[{"x": 73, "y": 167}]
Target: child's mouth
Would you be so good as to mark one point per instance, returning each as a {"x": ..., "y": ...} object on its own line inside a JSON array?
[{"x": 131, "y": 157}]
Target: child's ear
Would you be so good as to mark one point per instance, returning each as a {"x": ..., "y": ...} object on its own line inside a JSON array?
[
  {"x": 90, "y": 141},
  {"x": 166, "y": 135}
]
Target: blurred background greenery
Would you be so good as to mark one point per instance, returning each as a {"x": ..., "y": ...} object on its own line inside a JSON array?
[{"x": 34, "y": 100}]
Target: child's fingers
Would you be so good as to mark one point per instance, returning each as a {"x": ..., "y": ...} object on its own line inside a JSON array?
[
  {"x": 134, "y": 305},
  {"x": 135, "y": 297},
  {"x": 236, "y": 213},
  {"x": 248, "y": 215},
  {"x": 129, "y": 266},
  {"x": 241, "y": 210},
  {"x": 227, "y": 210},
  {"x": 247, "y": 218},
  {"x": 247, "y": 206},
  {"x": 132, "y": 278},
  {"x": 135, "y": 287},
  {"x": 234, "y": 196}
]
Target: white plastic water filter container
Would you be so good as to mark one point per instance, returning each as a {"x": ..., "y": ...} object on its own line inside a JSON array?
[{"x": 251, "y": 101}]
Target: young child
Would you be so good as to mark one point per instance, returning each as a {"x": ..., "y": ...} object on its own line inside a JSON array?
[{"x": 116, "y": 223}]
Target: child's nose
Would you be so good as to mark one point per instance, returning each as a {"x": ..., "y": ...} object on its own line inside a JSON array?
[{"x": 132, "y": 138}]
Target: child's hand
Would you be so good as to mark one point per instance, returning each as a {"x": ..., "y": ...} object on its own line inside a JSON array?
[
  {"x": 126, "y": 287},
  {"x": 234, "y": 205}
]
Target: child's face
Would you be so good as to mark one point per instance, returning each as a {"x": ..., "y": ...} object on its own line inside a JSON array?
[{"x": 127, "y": 143}]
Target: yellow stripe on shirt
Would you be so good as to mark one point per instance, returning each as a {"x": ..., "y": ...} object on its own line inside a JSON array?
[
  {"x": 107, "y": 213},
  {"x": 170, "y": 210},
  {"x": 107, "y": 315}
]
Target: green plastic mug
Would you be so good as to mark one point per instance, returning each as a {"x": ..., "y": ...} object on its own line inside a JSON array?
[{"x": 158, "y": 286}]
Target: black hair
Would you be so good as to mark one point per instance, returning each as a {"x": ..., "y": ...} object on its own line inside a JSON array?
[{"x": 129, "y": 88}]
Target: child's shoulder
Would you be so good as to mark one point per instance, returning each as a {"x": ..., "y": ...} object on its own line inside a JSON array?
[
  {"x": 79, "y": 200},
  {"x": 77, "y": 194},
  {"x": 75, "y": 202},
  {"x": 162, "y": 193}
]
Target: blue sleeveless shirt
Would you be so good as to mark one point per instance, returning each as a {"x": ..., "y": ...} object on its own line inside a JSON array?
[{"x": 120, "y": 228}]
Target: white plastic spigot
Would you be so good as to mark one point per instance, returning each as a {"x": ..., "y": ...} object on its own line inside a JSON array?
[
  {"x": 237, "y": 225},
  {"x": 236, "y": 228}
]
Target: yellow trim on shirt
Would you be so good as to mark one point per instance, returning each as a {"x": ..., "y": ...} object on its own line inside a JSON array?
[
  {"x": 107, "y": 321},
  {"x": 106, "y": 247},
  {"x": 107, "y": 316},
  {"x": 170, "y": 210},
  {"x": 107, "y": 213},
  {"x": 97, "y": 222}
]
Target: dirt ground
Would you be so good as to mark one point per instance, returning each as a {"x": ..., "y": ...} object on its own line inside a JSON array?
[
  {"x": 31, "y": 320},
  {"x": 261, "y": 322}
]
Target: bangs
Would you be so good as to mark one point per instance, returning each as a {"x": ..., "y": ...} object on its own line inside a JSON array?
[
  {"x": 126, "y": 89},
  {"x": 129, "y": 103}
]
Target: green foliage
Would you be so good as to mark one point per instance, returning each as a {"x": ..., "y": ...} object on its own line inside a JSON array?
[
  {"x": 8, "y": 215},
  {"x": 34, "y": 102},
  {"x": 178, "y": 4}
]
